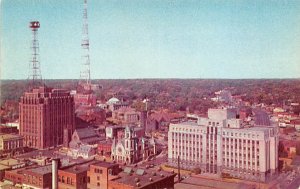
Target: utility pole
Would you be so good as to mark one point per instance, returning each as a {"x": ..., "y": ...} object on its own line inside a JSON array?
[{"x": 178, "y": 164}]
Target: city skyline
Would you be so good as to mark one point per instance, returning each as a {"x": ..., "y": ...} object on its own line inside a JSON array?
[{"x": 154, "y": 39}]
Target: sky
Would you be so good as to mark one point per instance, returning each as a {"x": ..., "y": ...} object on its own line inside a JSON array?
[{"x": 154, "y": 39}]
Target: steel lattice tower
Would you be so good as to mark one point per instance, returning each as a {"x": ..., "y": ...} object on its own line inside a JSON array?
[
  {"x": 85, "y": 74},
  {"x": 35, "y": 76}
]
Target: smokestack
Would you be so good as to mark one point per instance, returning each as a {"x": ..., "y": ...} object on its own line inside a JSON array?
[{"x": 55, "y": 166}]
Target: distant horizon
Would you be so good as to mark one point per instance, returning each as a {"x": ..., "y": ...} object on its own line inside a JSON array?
[
  {"x": 154, "y": 39},
  {"x": 166, "y": 79}
]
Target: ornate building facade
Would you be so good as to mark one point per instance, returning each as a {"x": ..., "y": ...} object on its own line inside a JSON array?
[{"x": 131, "y": 148}]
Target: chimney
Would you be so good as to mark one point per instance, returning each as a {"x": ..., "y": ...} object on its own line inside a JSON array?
[{"x": 55, "y": 166}]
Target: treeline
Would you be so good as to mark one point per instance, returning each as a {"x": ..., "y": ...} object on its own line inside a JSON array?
[{"x": 176, "y": 94}]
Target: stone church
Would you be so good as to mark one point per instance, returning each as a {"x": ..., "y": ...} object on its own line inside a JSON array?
[{"x": 132, "y": 149}]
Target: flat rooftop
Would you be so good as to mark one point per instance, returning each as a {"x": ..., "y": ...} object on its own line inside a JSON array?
[
  {"x": 78, "y": 168},
  {"x": 9, "y": 136},
  {"x": 104, "y": 164},
  {"x": 42, "y": 170},
  {"x": 188, "y": 123},
  {"x": 246, "y": 128},
  {"x": 4, "y": 167},
  {"x": 11, "y": 162},
  {"x": 131, "y": 176}
]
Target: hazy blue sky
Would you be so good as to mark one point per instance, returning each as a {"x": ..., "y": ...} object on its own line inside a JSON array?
[{"x": 155, "y": 39}]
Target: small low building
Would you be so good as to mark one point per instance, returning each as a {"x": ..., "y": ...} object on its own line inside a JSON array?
[
  {"x": 100, "y": 173},
  {"x": 40, "y": 177},
  {"x": 104, "y": 147},
  {"x": 74, "y": 177},
  {"x": 15, "y": 176},
  {"x": 115, "y": 104},
  {"x": 10, "y": 144},
  {"x": 126, "y": 115},
  {"x": 10, "y": 164}
]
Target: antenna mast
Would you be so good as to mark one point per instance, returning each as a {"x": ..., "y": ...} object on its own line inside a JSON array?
[
  {"x": 35, "y": 76},
  {"x": 85, "y": 76}
]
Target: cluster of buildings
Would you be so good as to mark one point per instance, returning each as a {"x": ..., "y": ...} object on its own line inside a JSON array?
[
  {"x": 228, "y": 142},
  {"x": 91, "y": 174}
]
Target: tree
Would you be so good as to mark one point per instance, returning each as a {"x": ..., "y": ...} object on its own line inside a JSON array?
[
  {"x": 197, "y": 170},
  {"x": 281, "y": 151}
]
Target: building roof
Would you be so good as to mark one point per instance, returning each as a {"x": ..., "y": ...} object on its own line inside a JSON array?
[
  {"x": 131, "y": 176},
  {"x": 10, "y": 137},
  {"x": 165, "y": 116},
  {"x": 188, "y": 123},
  {"x": 106, "y": 142},
  {"x": 4, "y": 167},
  {"x": 41, "y": 170},
  {"x": 104, "y": 164},
  {"x": 78, "y": 168},
  {"x": 85, "y": 148},
  {"x": 113, "y": 100},
  {"x": 261, "y": 117},
  {"x": 11, "y": 162},
  {"x": 86, "y": 133}
]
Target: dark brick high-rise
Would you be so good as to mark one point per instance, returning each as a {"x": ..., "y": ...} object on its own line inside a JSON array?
[{"x": 44, "y": 114}]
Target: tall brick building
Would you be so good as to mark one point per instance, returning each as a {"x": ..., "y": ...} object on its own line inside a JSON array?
[{"x": 44, "y": 115}]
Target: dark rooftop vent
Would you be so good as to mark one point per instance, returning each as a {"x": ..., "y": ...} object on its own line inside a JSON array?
[
  {"x": 136, "y": 179},
  {"x": 150, "y": 179},
  {"x": 138, "y": 184},
  {"x": 161, "y": 175},
  {"x": 154, "y": 173}
]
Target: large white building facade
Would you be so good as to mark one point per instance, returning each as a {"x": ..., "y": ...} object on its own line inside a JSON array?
[{"x": 222, "y": 145}]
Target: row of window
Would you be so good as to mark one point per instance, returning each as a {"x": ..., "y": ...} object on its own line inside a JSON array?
[{"x": 249, "y": 135}]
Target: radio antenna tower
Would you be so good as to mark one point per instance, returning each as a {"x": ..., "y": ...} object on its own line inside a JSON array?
[
  {"x": 85, "y": 74},
  {"x": 35, "y": 76}
]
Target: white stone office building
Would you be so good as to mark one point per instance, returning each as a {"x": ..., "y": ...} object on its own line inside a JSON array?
[{"x": 222, "y": 145}]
